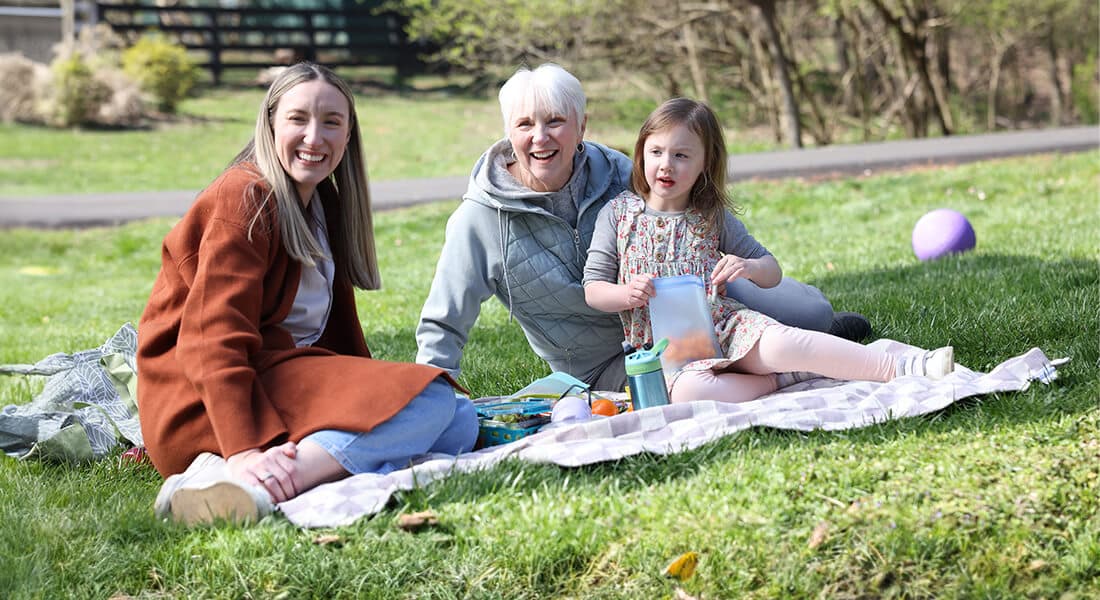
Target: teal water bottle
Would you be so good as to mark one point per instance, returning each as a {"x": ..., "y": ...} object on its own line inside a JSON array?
[{"x": 645, "y": 377}]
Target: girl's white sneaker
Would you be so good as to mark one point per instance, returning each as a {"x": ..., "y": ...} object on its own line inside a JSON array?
[{"x": 933, "y": 364}]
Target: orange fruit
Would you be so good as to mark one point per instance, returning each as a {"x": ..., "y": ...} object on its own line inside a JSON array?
[{"x": 604, "y": 407}]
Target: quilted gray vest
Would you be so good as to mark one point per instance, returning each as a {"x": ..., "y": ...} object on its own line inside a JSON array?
[{"x": 544, "y": 264}]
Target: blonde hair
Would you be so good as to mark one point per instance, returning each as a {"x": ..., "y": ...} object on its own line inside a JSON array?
[
  {"x": 708, "y": 195},
  {"x": 353, "y": 242},
  {"x": 548, "y": 87}
]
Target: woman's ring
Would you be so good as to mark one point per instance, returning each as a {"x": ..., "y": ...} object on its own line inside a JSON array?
[{"x": 266, "y": 476}]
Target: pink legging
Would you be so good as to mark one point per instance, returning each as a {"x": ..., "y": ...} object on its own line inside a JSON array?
[{"x": 781, "y": 349}]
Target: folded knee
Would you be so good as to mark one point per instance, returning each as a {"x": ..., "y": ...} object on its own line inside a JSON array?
[{"x": 690, "y": 386}]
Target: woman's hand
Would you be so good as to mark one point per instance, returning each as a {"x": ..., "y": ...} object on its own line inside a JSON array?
[{"x": 274, "y": 470}]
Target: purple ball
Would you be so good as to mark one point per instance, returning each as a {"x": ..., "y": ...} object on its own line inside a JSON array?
[{"x": 941, "y": 232}]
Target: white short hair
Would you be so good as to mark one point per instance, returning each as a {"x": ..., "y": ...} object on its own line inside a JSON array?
[{"x": 548, "y": 87}]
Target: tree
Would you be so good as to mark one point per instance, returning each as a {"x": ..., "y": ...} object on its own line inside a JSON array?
[
  {"x": 820, "y": 67},
  {"x": 491, "y": 38},
  {"x": 911, "y": 24},
  {"x": 766, "y": 10}
]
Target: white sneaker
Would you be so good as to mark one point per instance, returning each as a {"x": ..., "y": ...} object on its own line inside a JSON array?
[
  {"x": 206, "y": 493},
  {"x": 933, "y": 364}
]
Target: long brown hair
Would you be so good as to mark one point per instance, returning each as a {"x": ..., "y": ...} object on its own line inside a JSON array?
[
  {"x": 708, "y": 195},
  {"x": 354, "y": 241}
]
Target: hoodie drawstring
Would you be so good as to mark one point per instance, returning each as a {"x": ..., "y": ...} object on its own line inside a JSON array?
[{"x": 504, "y": 260}]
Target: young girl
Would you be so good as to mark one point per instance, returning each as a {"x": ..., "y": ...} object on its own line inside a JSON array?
[{"x": 677, "y": 222}]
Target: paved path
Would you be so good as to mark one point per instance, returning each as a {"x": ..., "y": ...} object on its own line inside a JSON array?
[{"x": 105, "y": 209}]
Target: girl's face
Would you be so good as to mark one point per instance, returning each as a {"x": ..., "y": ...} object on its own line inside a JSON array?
[
  {"x": 674, "y": 158},
  {"x": 312, "y": 125},
  {"x": 544, "y": 143}
]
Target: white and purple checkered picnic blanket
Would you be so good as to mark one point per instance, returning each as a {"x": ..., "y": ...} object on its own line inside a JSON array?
[{"x": 815, "y": 404}]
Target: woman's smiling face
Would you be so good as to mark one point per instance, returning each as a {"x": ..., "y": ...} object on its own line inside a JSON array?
[
  {"x": 311, "y": 128},
  {"x": 544, "y": 142}
]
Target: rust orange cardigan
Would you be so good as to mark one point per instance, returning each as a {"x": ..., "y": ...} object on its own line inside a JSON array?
[{"x": 216, "y": 370}]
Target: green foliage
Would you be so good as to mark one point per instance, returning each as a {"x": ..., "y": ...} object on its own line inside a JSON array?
[
  {"x": 1086, "y": 91},
  {"x": 162, "y": 68},
  {"x": 708, "y": 48},
  {"x": 76, "y": 94},
  {"x": 491, "y": 38}
]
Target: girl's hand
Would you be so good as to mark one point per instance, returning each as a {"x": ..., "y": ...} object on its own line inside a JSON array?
[
  {"x": 765, "y": 271},
  {"x": 274, "y": 470},
  {"x": 728, "y": 268},
  {"x": 638, "y": 290}
]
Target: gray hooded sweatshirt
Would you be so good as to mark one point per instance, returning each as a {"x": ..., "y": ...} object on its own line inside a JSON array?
[{"x": 505, "y": 241}]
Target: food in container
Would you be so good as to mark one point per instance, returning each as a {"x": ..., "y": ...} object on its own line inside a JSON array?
[{"x": 680, "y": 312}]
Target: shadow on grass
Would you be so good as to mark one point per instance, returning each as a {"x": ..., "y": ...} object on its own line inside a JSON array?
[
  {"x": 187, "y": 118},
  {"x": 989, "y": 307},
  {"x": 144, "y": 125}
]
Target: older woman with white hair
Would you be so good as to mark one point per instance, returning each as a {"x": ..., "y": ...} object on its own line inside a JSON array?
[{"x": 522, "y": 234}]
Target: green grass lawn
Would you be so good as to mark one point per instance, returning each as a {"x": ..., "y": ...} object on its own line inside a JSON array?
[
  {"x": 411, "y": 135},
  {"x": 994, "y": 497},
  {"x": 403, "y": 137}
]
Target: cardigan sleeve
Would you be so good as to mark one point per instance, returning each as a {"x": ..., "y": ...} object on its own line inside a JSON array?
[
  {"x": 220, "y": 325},
  {"x": 603, "y": 253},
  {"x": 735, "y": 239}
]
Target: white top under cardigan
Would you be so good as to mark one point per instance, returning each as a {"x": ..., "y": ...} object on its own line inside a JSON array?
[{"x": 309, "y": 314}]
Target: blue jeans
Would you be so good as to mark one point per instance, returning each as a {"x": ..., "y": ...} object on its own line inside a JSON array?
[{"x": 435, "y": 421}]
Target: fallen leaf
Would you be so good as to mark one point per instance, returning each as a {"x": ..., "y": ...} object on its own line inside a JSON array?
[
  {"x": 38, "y": 271},
  {"x": 819, "y": 535},
  {"x": 328, "y": 539},
  {"x": 417, "y": 520},
  {"x": 1036, "y": 565},
  {"x": 134, "y": 456},
  {"x": 683, "y": 567}
]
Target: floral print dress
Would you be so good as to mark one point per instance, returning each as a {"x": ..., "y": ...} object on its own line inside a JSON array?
[{"x": 672, "y": 244}]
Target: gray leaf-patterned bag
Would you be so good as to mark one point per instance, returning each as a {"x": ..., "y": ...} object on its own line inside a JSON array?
[{"x": 86, "y": 409}]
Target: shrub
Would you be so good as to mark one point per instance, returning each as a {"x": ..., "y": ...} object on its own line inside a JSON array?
[
  {"x": 75, "y": 95},
  {"x": 83, "y": 85},
  {"x": 102, "y": 48},
  {"x": 22, "y": 91},
  {"x": 162, "y": 68},
  {"x": 1086, "y": 99},
  {"x": 125, "y": 106}
]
